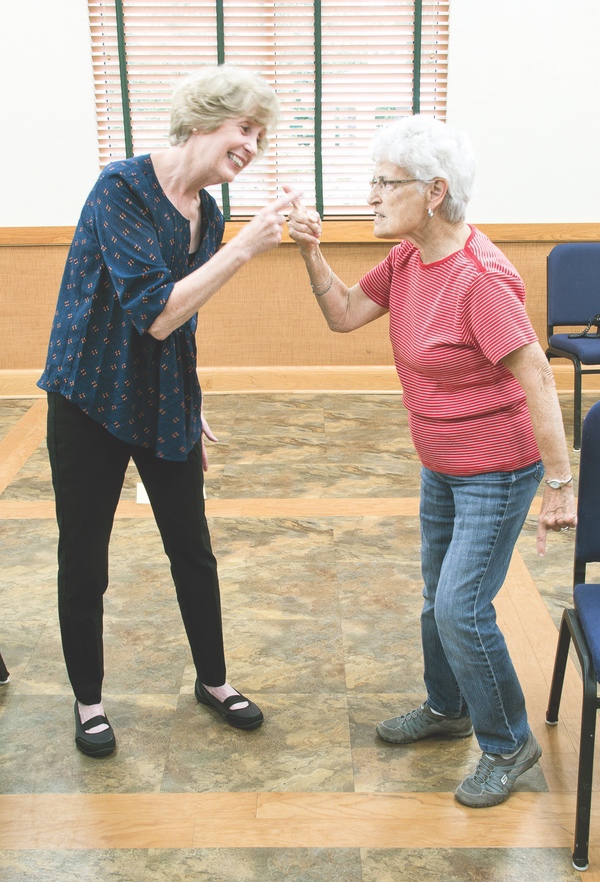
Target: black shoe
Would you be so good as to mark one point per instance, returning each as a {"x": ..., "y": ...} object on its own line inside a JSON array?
[
  {"x": 249, "y": 717},
  {"x": 94, "y": 744}
]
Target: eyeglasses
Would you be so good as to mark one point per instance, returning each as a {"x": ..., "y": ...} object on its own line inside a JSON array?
[{"x": 385, "y": 183}]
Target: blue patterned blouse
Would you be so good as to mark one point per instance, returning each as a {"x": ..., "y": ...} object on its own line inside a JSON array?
[{"x": 130, "y": 247}]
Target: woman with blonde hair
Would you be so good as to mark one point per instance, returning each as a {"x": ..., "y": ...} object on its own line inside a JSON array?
[{"x": 121, "y": 374}]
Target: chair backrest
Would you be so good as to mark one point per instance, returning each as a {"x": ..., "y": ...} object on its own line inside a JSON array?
[
  {"x": 587, "y": 538},
  {"x": 573, "y": 282}
]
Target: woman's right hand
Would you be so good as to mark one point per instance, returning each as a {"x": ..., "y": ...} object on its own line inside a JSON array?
[
  {"x": 304, "y": 225},
  {"x": 265, "y": 229}
]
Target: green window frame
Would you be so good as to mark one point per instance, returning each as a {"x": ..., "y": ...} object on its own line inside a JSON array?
[{"x": 341, "y": 68}]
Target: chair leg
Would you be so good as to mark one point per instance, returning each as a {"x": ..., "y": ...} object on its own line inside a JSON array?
[
  {"x": 560, "y": 666},
  {"x": 577, "y": 406},
  {"x": 586, "y": 770}
]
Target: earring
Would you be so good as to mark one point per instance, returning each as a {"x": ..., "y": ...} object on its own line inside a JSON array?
[{"x": 429, "y": 212}]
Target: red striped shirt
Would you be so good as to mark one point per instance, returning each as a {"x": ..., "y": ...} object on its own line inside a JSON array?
[{"x": 451, "y": 322}]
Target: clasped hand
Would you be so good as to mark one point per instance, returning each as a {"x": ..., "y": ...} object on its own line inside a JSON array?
[
  {"x": 304, "y": 225},
  {"x": 265, "y": 229}
]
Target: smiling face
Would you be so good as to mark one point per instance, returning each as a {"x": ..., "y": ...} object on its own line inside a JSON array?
[
  {"x": 229, "y": 149},
  {"x": 400, "y": 209}
]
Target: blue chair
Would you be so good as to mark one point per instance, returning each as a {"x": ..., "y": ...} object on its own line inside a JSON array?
[
  {"x": 573, "y": 291},
  {"x": 582, "y": 626}
]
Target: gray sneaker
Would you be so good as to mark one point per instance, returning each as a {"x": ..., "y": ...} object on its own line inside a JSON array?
[
  {"x": 495, "y": 776},
  {"x": 422, "y": 723}
]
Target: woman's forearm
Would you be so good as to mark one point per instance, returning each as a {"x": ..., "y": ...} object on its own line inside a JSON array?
[
  {"x": 330, "y": 292},
  {"x": 530, "y": 367},
  {"x": 345, "y": 309},
  {"x": 192, "y": 292},
  {"x": 547, "y": 423}
]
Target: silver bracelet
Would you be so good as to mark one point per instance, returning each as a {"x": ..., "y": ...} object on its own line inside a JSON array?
[{"x": 326, "y": 285}]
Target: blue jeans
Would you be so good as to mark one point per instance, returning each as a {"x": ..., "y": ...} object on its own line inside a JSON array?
[{"x": 469, "y": 526}]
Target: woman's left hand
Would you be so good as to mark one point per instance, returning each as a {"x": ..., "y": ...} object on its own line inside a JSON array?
[
  {"x": 559, "y": 512},
  {"x": 206, "y": 430},
  {"x": 304, "y": 226}
]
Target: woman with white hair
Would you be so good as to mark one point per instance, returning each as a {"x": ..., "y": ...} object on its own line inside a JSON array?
[
  {"x": 484, "y": 418},
  {"x": 121, "y": 374}
]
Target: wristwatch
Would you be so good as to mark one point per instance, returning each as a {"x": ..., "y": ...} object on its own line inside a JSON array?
[{"x": 556, "y": 485}]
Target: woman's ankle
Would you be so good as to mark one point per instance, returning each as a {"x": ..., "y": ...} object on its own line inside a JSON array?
[{"x": 88, "y": 711}]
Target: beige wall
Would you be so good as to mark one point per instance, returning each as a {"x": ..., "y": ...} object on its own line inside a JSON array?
[{"x": 264, "y": 317}]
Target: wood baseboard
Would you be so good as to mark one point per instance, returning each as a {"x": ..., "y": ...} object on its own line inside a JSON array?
[
  {"x": 356, "y": 229},
  {"x": 365, "y": 378},
  {"x": 300, "y": 379},
  {"x": 22, "y": 383}
]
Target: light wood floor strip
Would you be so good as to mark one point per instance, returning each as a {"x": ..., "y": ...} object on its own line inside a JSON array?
[
  {"x": 22, "y": 440},
  {"x": 282, "y": 820},
  {"x": 301, "y": 507},
  {"x": 298, "y": 507}
]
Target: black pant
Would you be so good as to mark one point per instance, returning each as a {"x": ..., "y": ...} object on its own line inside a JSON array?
[{"x": 88, "y": 469}]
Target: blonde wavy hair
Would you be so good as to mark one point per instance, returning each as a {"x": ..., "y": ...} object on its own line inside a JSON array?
[{"x": 206, "y": 99}]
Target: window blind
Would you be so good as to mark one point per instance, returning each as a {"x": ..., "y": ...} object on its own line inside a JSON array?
[{"x": 341, "y": 68}]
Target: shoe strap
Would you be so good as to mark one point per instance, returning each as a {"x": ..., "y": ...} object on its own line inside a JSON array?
[
  {"x": 235, "y": 699},
  {"x": 95, "y": 721}
]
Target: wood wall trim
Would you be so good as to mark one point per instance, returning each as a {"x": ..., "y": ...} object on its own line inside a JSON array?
[
  {"x": 541, "y": 232},
  {"x": 247, "y": 380},
  {"x": 36, "y": 235},
  {"x": 339, "y": 231}
]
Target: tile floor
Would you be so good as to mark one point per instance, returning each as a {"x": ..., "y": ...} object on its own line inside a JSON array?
[{"x": 321, "y": 622}]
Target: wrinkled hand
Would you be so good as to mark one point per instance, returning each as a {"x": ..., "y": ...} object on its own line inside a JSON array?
[
  {"x": 304, "y": 225},
  {"x": 265, "y": 229},
  {"x": 559, "y": 512},
  {"x": 206, "y": 430}
]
